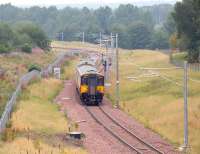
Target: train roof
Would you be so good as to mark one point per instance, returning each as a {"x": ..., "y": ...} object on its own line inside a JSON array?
[
  {"x": 87, "y": 66},
  {"x": 86, "y": 62},
  {"x": 87, "y": 69}
]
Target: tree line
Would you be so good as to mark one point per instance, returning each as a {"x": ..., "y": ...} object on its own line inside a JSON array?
[
  {"x": 23, "y": 36},
  {"x": 186, "y": 35},
  {"x": 158, "y": 26},
  {"x": 138, "y": 27}
]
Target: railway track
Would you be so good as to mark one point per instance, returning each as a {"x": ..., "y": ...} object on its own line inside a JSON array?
[{"x": 120, "y": 132}]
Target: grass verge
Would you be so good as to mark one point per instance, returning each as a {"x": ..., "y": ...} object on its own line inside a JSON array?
[
  {"x": 14, "y": 65},
  {"x": 154, "y": 101},
  {"x": 38, "y": 125}
]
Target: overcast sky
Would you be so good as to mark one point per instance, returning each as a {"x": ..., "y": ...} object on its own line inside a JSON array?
[{"x": 67, "y": 2}]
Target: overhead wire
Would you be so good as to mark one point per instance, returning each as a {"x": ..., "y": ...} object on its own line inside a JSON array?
[{"x": 160, "y": 68}]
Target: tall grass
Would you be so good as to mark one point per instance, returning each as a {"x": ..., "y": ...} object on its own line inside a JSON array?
[
  {"x": 68, "y": 70},
  {"x": 38, "y": 123},
  {"x": 15, "y": 65},
  {"x": 156, "y": 102}
]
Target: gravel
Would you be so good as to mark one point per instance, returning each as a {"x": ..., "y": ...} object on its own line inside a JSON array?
[{"x": 98, "y": 140}]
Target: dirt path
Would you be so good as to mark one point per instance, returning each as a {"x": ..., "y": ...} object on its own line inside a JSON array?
[{"x": 98, "y": 140}]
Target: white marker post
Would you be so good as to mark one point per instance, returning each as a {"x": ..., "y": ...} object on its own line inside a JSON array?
[{"x": 57, "y": 72}]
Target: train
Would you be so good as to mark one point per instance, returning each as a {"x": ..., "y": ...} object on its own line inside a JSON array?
[{"x": 89, "y": 83}]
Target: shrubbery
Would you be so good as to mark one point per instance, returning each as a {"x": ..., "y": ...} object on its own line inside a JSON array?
[
  {"x": 34, "y": 67},
  {"x": 24, "y": 35},
  {"x": 27, "y": 48},
  {"x": 4, "y": 48}
]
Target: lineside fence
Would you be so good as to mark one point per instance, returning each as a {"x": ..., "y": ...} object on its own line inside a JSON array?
[
  {"x": 25, "y": 80},
  {"x": 191, "y": 66}
]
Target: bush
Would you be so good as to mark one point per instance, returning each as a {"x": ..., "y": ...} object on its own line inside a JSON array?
[
  {"x": 4, "y": 48},
  {"x": 8, "y": 134},
  {"x": 34, "y": 67},
  {"x": 26, "y": 48}
]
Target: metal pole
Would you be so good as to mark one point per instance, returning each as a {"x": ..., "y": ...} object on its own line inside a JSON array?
[
  {"x": 83, "y": 39},
  {"x": 185, "y": 104},
  {"x": 117, "y": 72},
  {"x": 100, "y": 40},
  {"x": 113, "y": 56},
  {"x": 62, "y": 36},
  {"x": 111, "y": 40},
  {"x": 106, "y": 62}
]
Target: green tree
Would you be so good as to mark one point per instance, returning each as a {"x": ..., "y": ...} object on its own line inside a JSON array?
[
  {"x": 138, "y": 36},
  {"x": 170, "y": 25},
  {"x": 160, "y": 39},
  {"x": 187, "y": 18},
  {"x": 122, "y": 32},
  {"x": 35, "y": 33},
  {"x": 6, "y": 34},
  {"x": 103, "y": 15},
  {"x": 6, "y": 38},
  {"x": 74, "y": 21},
  {"x": 173, "y": 41}
]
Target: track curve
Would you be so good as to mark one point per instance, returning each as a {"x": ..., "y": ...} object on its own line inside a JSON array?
[{"x": 120, "y": 132}]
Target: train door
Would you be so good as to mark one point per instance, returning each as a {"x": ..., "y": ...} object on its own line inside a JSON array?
[{"x": 92, "y": 83}]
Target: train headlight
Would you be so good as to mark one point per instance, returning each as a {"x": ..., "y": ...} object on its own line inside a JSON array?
[
  {"x": 84, "y": 89},
  {"x": 100, "y": 89}
]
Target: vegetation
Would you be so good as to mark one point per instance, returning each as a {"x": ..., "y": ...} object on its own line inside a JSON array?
[
  {"x": 148, "y": 97},
  {"x": 131, "y": 22},
  {"x": 34, "y": 67},
  {"x": 24, "y": 36},
  {"x": 6, "y": 38},
  {"x": 13, "y": 66},
  {"x": 68, "y": 69},
  {"x": 180, "y": 56},
  {"x": 187, "y": 24},
  {"x": 38, "y": 132},
  {"x": 26, "y": 48},
  {"x": 155, "y": 101}
]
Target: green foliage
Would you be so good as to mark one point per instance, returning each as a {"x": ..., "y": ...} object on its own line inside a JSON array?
[
  {"x": 27, "y": 48},
  {"x": 6, "y": 38},
  {"x": 173, "y": 41},
  {"x": 170, "y": 25},
  {"x": 160, "y": 39},
  {"x": 180, "y": 56},
  {"x": 6, "y": 34},
  {"x": 4, "y": 48},
  {"x": 159, "y": 13},
  {"x": 34, "y": 67},
  {"x": 22, "y": 35},
  {"x": 183, "y": 42},
  {"x": 35, "y": 34},
  {"x": 74, "y": 21},
  {"x": 103, "y": 15},
  {"x": 187, "y": 18},
  {"x": 9, "y": 134},
  {"x": 139, "y": 36}
]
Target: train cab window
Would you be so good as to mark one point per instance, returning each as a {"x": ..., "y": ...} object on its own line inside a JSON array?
[
  {"x": 84, "y": 80},
  {"x": 100, "y": 81}
]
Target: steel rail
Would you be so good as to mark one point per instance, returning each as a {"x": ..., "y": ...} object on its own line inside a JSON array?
[
  {"x": 112, "y": 133},
  {"x": 129, "y": 132}
]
